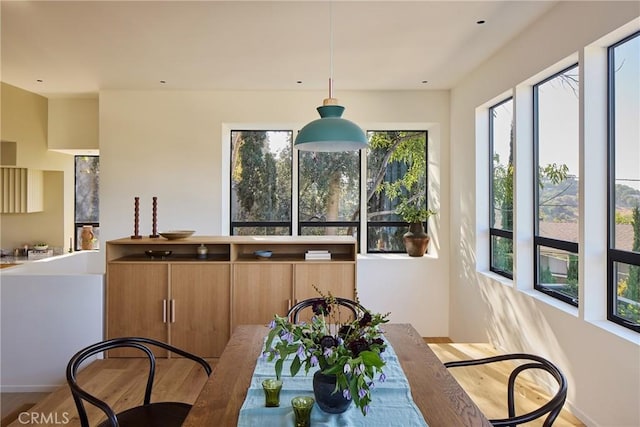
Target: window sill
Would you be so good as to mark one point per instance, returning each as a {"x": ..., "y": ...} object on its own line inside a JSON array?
[
  {"x": 553, "y": 302},
  {"x": 378, "y": 257},
  {"x": 617, "y": 330},
  {"x": 505, "y": 281}
]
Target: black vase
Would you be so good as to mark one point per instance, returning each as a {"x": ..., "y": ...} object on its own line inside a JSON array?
[{"x": 327, "y": 400}]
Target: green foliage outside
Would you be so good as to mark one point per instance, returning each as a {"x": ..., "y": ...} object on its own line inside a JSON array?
[
  {"x": 628, "y": 303},
  {"x": 396, "y": 185},
  {"x": 329, "y": 184}
]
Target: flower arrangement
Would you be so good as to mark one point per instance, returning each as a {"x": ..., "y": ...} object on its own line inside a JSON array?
[{"x": 349, "y": 350}]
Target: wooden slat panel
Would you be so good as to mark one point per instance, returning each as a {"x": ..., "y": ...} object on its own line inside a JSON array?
[{"x": 22, "y": 190}]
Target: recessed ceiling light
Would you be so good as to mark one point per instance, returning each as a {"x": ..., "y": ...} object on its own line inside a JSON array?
[
  {"x": 480, "y": 22},
  {"x": 424, "y": 82},
  {"x": 299, "y": 82},
  {"x": 163, "y": 81},
  {"x": 39, "y": 80}
]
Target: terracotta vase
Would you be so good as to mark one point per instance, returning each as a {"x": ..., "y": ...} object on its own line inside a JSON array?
[
  {"x": 416, "y": 240},
  {"x": 86, "y": 237}
]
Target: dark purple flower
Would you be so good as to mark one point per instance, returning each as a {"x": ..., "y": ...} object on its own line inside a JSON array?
[
  {"x": 365, "y": 320},
  {"x": 358, "y": 346},
  {"x": 328, "y": 341},
  {"x": 321, "y": 307}
]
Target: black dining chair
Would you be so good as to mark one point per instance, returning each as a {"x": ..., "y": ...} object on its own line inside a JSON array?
[
  {"x": 159, "y": 414},
  {"x": 553, "y": 406},
  {"x": 352, "y": 306}
]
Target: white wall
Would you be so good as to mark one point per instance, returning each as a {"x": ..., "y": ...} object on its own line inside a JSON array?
[
  {"x": 602, "y": 362},
  {"x": 25, "y": 121},
  {"x": 169, "y": 144},
  {"x": 50, "y": 309}
]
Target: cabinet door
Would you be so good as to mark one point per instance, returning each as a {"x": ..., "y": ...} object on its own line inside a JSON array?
[
  {"x": 136, "y": 298},
  {"x": 200, "y": 303},
  {"x": 261, "y": 290},
  {"x": 334, "y": 278},
  {"x": 339, "y": 279}
]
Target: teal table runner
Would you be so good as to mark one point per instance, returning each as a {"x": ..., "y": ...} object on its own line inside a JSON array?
[{"x": 391, "y": 401}]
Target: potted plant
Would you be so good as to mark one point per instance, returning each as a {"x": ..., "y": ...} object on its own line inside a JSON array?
[
  {"x": 416, "y": 240},
  {"x": 346, "y": 353}
]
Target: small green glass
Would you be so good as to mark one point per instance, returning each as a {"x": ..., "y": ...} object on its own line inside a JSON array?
[
  {"x": 302, "y": 406},
  {"x": 271, "y": 389}
]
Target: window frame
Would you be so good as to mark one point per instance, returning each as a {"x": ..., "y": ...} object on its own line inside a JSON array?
[
  {"x": 539, "y": 241},
  {"x": 493, "y": 231},
  {"x": 258, "y": 224},
  {"x": 398, "y": 223},
  {"x": 77, "y": 225},
  {"x": 615, "y": 255},
  {"x": 356, "y": 224}
]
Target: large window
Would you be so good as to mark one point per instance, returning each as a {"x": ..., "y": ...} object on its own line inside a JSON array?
[
  {"x": 624, "y": 183},
  {"x": 87, "y": 206},
  {"x": 329, "y": 187},
  {"x": 556, "y": 121},
  {"x": 329, "y": 193},
  {"x": 396, "y": 174},
  {"x": 261, "y": 164},
  {"x": 501, "y": 188}
]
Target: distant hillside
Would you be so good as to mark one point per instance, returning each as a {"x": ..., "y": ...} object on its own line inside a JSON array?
[{"x": 559, "y": 202}]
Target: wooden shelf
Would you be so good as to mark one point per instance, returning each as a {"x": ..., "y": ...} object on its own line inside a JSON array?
[{"x": 232, "y": 284}]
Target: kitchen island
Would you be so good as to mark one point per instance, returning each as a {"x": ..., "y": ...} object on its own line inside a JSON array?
[{"x": 50, "y": 308}]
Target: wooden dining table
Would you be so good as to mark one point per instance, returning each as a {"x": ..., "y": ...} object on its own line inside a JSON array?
[{"x": 435, "y": 391}]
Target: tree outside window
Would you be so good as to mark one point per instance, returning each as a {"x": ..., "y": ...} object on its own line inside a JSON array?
[
  {"x": 624, "y": 183},
  {"x": 329, "y": 193},
  {"x": 396, "y": 174},
  {"x": 556, "y": 121},
  {"x": 501, "y": 140},
  {"x": 261, "y": 182}
]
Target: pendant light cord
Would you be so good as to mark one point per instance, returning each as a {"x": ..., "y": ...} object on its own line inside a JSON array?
[{"x": 330, "y": 49}]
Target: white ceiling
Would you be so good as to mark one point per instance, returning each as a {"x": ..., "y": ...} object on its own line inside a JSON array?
[{"x": 83, "y": 47}]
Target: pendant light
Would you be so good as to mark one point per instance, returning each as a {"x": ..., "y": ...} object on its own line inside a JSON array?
[{"x": 331, "y": 132}]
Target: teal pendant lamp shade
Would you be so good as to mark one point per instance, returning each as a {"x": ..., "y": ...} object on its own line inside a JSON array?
[{"x": 331, "y": 132}]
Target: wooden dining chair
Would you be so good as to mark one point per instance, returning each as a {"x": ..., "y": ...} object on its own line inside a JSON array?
[
  {"x": 159, "y": 414},
  {"x": 353, "y": 307},
  {"x": 553, "y": 406}
]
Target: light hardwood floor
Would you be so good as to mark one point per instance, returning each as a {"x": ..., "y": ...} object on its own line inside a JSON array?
[
  {"x": 487, "y": 384},
  {"x": 121, "y": 383}
]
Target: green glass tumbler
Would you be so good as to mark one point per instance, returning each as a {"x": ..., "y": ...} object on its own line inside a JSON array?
[
  {"x": 302, "y": 406},
  {"x": 271, "y": 389}
]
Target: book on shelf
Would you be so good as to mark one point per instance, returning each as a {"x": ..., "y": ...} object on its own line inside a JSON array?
[{"x": 317, "y": 254}]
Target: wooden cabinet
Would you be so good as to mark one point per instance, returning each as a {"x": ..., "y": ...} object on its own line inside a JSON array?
[
  {"x": 338, "y": 279},
  {"x": 199, "y": 307},
  {"x": 183, "y": 304},
  {"x": 196, "y": 303},
  {"x": 137, "y": 303},
  {"x": 261, "y": 290}
]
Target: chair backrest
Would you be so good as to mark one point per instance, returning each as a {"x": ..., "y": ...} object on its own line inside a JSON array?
[
  {"x": 140, "y": 343},
  {"x": 353, "y": 307},
  {"x": 552, "y": 408}
]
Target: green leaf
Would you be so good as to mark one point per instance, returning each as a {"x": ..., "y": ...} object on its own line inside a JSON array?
[
  {"x": 279, "y": 364},
  {"x": 371, "y": 358},
  {"x": 295, "y": 366}
]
